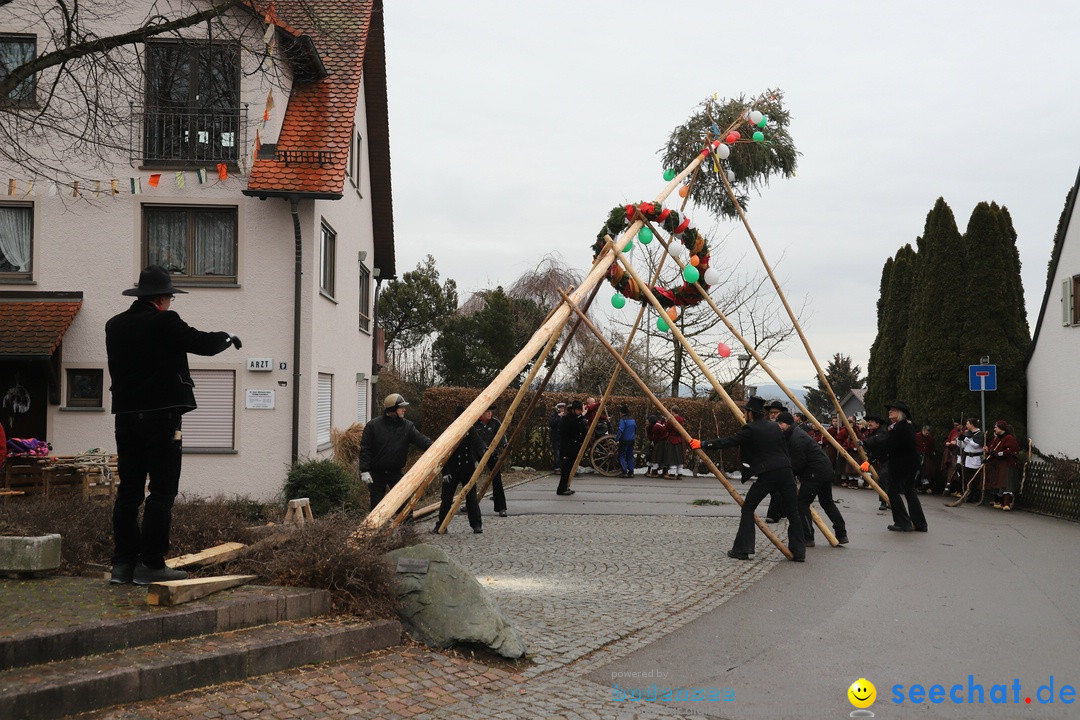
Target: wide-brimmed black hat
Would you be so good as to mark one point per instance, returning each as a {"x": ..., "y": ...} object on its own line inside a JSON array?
[
  {"x": 153, "y": 281},
  {"x": 576, "y": 405},
  {"x": 755, "y": 405},
  {"x": 875, "y": 418},
  {"x": 777, "y": 405},
  {"x": 901, "y": 406}
]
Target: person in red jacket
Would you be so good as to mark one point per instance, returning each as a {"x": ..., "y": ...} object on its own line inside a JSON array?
[
  {"x": 924, "y": 442},
  {"x": 673, "y": 452},
  {"x": 1001, "y": 465},
  {"x": 949, "y": 460}
]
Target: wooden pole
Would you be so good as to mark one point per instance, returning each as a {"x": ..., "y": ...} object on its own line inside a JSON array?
[
  {"x": 717, "y": 387},
  {"x": 445, "y": 444},
  {"x": 798, "y": 328},
  {"x": 499, "y": 433},
  {"x": 682, "y": 431}
]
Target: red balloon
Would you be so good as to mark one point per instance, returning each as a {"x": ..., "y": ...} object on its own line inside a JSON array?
[
  {"x": 723, "y": 349},
  {"x": 732, "y": 137}
]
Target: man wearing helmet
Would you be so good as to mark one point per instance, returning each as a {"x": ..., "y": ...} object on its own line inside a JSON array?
[{"x": 385, "y": 445}]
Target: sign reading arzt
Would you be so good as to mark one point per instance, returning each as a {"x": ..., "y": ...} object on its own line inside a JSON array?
[{"x": 260, "y": 364}]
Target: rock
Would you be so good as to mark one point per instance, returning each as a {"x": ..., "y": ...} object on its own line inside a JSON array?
[
  {"x": 29, "y": 554},
  {"x": 446, "y": 605}
]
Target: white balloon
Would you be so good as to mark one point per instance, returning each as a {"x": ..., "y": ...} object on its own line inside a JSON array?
[
  {"x": 712, "y": 276},
  {"x": 755, "y": 116},
  {"x": 677, "y": 249},
  {"x": 723, "y": 152},
  {"x": 730, "y": 176}
]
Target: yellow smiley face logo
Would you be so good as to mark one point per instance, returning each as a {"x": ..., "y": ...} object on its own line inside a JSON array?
[{"x": 862, "y": 693}]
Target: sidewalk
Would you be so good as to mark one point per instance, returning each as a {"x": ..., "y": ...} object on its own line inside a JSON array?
[{"x": 626, "y": 581}]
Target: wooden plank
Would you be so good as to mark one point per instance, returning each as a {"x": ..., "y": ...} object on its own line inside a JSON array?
[
  {"x": 175, "y": 592},
  {"x": 210, "y": 556}
]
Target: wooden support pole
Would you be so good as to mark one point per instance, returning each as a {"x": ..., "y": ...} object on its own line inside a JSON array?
[
  {"x": 806, "y": 344},
  {"x": 717, "y": 387},
  {"x": 682, "y": 431},
  {"x": 445, "y": 443},
  {"x": 500, "y": 432}
]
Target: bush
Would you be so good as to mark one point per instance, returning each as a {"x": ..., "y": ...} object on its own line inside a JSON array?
[{"x": 324, "y": 482}]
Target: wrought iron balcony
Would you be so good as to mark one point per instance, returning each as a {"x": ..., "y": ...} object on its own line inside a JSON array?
[{"x": 188, "y": 136}]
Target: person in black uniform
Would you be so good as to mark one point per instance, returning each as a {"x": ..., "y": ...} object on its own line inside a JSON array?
[
  {"x": 147, "y": 347},
  {"x": 384, "y": 447},
  {"x": 903, "y": 470},
  {"x": 875, "y": 443},
  {"x": 811, "y": 465},
  {"x": 459, "y": 470},
  {"x": 764, "y": 450},
  {"x": 486, "y": 428},
  {"x": 572, "y": 432}
]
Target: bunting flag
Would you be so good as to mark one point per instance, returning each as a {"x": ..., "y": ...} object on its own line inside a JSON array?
[
  {"x": 201, "y": 175},
  {"x": 97, "y": 188},
  {"x": 11, "y": 186},
  {"x": 258, "y": 146},
  {"x": 52, "y": 188},
  {"x": 154, "y": 180},
  {"x": 30, "y": 187},
  {"x": 75, "y": 189},
  {"x": 136, "y": 186},
  {"x": 114, "y": 187},
  {"x": 270, "y": 101},
  {"x": 180, "y": 179},
  {"x": 222, "y": 171}
]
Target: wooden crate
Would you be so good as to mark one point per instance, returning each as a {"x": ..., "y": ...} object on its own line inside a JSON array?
[
  {"x": 71, "y": 473},
  {"x": 26, "y": 474}
]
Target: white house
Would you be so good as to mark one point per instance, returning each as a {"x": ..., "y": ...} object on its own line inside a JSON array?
[
  {"x": 257, "y": 169},
  {"x": 1052, "y": 380}
]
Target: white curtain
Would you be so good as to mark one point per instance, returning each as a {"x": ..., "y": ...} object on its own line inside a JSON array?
[
  {"x": 16, "y": 241},
  {"x": 13, "y": 53},
  {"x": 215, "y": 243},
  {"x": 166, "y": 239}
]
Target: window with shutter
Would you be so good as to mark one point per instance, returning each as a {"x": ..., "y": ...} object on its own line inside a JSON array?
[
  {"x": 362, "y": 413},
  {"x": 211, "y": 425},
  {"x": 324, "y": 411}
]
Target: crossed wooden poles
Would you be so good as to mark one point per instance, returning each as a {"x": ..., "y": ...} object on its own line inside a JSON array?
[{"x": 400, "y": 501}]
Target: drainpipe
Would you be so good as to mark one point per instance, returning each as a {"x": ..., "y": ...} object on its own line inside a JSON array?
[{"x": 294, "y": 202}]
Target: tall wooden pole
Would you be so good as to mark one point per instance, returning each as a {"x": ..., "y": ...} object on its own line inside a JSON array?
[{"x": 682, "y": 431}]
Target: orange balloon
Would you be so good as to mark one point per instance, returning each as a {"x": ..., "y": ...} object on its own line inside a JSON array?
[
  {"x": 683, "y": 190},
  {"x": 673, "y": 312},
  {"x": 694, "y": 260}
]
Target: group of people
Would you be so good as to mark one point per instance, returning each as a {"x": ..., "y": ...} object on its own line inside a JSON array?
[{"x": 983, "y": 468}]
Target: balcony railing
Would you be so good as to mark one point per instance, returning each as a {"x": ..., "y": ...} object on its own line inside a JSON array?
[{"x": 188, "y": 136}]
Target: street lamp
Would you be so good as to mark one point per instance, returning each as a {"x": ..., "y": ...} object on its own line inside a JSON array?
[{"x": 744, "y": 366}]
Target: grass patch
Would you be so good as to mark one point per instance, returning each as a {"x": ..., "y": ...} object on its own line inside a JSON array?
[{"x": 707, "y": 501}]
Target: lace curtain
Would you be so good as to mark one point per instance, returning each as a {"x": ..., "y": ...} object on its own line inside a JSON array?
[{"x": 16, "y": 239}]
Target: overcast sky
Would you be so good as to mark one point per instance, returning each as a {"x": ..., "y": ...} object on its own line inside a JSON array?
[{"x": 516, "y": 126}]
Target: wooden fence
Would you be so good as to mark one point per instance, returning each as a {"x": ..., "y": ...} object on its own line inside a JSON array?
[{"x": 1051, "y": 486}]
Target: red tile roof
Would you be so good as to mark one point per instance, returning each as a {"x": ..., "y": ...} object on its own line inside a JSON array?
[
  {"x": 34, "y": 327},
  {"x": 319, "y": 113}
]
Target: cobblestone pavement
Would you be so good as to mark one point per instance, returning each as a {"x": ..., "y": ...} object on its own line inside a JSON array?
[{"x": 583, "y": 590}]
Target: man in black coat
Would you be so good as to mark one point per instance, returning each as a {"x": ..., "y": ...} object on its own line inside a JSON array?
[
  {"x": 458, "y": 470},
  {"x": 764, "y": 450},
  {"x": 147, "y": 347},
  {"x": 811, "y": 465},
  {"x": 572, "y": 431},
  {"x": 384, "y": 447},
  {"x": 904, "y": 464}
]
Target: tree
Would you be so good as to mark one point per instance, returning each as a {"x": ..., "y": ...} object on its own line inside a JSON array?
[
  {"x": 894, "y": 315},
  {"x": 69, "y": 97},
  {"x": 472, "y": 348},
  {"x": 933, "y": 367},
  {"x": 589, "y": 366},
  {"x": 751, "y": 163},
  {"x": 842, "y": 377},
  {"x": 415, "y": 306}
]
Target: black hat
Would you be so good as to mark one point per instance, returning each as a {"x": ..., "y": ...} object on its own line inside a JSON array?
[
  {"x": 576, "y": 405},
  {"x": 875, "y": 418},
  {"x": 153, "y": 281},
  {"x": 756, "y": 405},
  {"x": 785, "y": 417},
  {"x": 777, "y": 405},
  {"x": 902, "y": 407}
]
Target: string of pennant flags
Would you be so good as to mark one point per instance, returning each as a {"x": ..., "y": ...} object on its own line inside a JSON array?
[{"x": 134, "y": 185}]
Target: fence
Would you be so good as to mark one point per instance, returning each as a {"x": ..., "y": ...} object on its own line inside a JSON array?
[{"x": 1051, "y": 486}]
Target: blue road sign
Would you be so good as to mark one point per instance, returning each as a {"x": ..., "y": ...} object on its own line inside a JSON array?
[{"x": 982, "y": 377}]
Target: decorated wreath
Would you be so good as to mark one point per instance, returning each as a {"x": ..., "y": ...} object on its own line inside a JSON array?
[{"x": 620, "y": 218}]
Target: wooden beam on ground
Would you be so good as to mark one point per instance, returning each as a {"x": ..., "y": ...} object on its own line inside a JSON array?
[
  {"x": 175, "y": 592},
  {"x": 210, "y": 556}
]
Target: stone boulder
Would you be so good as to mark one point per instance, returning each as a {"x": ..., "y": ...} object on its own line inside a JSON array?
[
  {"x": 25, "y": 555},
  {"x": 446, "y": 606}
]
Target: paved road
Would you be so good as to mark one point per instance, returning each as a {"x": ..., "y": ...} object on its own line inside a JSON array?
[{"x": 626, "y": 583}]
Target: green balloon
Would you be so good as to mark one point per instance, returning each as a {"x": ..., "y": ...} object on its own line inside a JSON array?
[
  {"x": 758, "y": 136},
  {"x": 618, "y": 300},
  {"x": 629, "y": 245},
  {"x": 645, "y": 235},
  {"x": 763, "y": 121},
  {"x": 661, "y": 324},
  {"x": 690, "y": 274},
  {"x": 669, "y": 174}
]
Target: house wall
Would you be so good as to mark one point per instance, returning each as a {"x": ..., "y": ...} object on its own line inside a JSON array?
[
  {"x": 1053, "y": 390},
  {"x": 93, "y": 244}
]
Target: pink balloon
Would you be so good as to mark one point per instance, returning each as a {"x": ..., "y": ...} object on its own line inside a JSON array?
[{"x": 723, "y": 349}]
